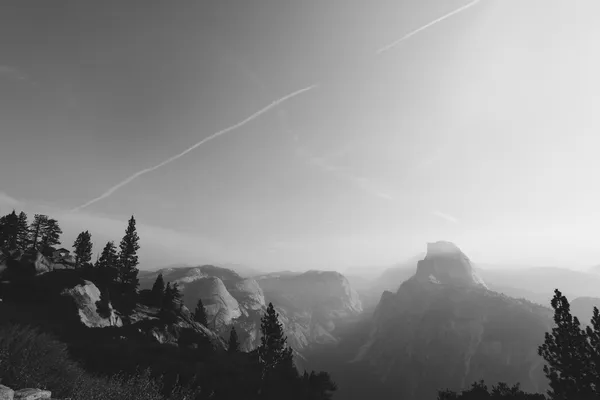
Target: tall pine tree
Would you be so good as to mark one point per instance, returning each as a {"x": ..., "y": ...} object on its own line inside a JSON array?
[
  {"x": 233, "y": 346},
  {"x": 50, "y": 235},
  {"x": 22, "y": 232},
  {"x": 158, "y": 291},
  {"x": 275, "y": 357},
  {"x": 107, "y": 268},
  {"x": 83, "y": 249},
  {"x": 569, "y": 355},
  {"x": 200, "y": 314},
  {"x": 9, "y": 234},
  {"x": 128, "y": 271},
  {"x": 35, "y": 230}
]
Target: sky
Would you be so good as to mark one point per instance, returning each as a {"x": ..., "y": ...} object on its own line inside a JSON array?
[{"x": 480, "y": 129}]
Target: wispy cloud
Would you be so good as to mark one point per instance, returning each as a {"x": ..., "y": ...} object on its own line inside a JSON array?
[
  {"x": 434, "y": 22},
  {"x": 200, "y": 143},
  {"x": 445, "y": 216}
]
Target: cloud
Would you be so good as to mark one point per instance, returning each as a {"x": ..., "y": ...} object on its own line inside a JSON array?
[{"x": 445, "y": 216}]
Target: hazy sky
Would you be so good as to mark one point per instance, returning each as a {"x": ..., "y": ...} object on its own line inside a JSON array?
[{"x": 482, "y": 129}]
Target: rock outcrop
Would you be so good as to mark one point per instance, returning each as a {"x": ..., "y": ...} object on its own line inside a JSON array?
[
  {"x": 444, "y": 329},
  {"x": 34, "y": 261},
  {"x": 7, "y": 393},
  {"x": 147, "y": 322},
  {"x": 86, "y": 297}
]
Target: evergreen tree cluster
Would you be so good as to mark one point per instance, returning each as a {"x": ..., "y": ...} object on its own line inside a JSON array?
[
  {"x": 17, "y": 234},
  {"x": 115, "y": 271}
]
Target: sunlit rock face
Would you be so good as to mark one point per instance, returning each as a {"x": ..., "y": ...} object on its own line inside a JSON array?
[
  {"x": 86, "y": 297},
  {"x": 229, "y": 299},
  {"x": 309, "y": 304},
  {"x": 444, "y": 329},
  {"x": 445, "y": 263}
]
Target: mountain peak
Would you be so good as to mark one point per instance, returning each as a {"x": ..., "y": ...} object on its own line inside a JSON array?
[{"x": 445, "y": 263}]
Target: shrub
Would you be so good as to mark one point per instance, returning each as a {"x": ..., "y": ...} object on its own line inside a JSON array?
[{"x": 29, "y": 358}]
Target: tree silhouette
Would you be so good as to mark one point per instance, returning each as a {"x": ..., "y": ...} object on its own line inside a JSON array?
[
  {"x": 158, "y": 291},
  {"x": 36, "y": 228},
  {"x": 200, "y": 314},
  {"x": 479, "y": 391},
  {"x": 233, "y": 346},
  {"x": 50, "y": 235},
  {"x": 22, "y": 232},
  {"x": 9, "y": 237},
  {"x": 275, "y": 358},
  {"x": 128, "y": 271},
  {"x": 106, "y": 268},
  {"x": 571, "y": 353},
  {"x": 83, "y": 249},
  {"x": 172, "y": 298}
]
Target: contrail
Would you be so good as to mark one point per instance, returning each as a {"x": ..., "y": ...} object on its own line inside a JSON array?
[
  {"x": 411, "y": 34},
  {"x": 200, "y": 143}
]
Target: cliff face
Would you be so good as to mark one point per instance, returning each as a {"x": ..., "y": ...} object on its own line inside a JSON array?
[
  {"x": 309, "y": 304},
  {"x": 444, "y": 329},
  {"x": 229, "y": 299}
]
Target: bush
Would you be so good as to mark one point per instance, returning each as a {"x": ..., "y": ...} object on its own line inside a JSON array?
[{"x": 29, "y": 358}]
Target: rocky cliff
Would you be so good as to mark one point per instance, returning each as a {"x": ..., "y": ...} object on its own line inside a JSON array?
[
  {"x": 309, "y": 304},
  {"x": 444, "y": 329}
]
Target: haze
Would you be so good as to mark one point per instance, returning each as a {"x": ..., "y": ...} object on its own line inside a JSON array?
[{"x": 472, "y": 132}]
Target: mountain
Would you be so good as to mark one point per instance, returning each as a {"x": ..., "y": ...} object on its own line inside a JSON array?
[
  {"x": 309, "y": 304},
  {"x": 443, "y": 328},
  {"x": 538, "y": 283},
  {"x": 228, "y": 298},
  {"x": 583, "y": 308}
]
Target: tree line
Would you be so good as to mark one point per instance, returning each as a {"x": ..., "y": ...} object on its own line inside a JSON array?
[{"x": 115, "y": 271}]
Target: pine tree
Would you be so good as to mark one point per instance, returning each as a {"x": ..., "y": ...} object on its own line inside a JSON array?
[
  {"x": 158, "y": 291},
  {"x": 36, "y": 229},
  {"x": 50, "y": 235},
  {"x": 275, "y": 357},
  {"x": 233, "y": 345},
  {"x": 22, "y": 232},
  {"x": 9, "y": 235},
  {"x": 128, "y": 271},
  {"x": 176, "y": 296},
  {"x": 83, "y": 249},
  {"x": 106, "y": 267},
  {"x": 168, "y": 298},
  {"x": 569, "y": 356},
  {"x": 200, "y": 314}
]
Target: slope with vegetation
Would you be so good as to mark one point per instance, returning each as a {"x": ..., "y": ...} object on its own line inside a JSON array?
[{"x": 85, "y": 331}]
